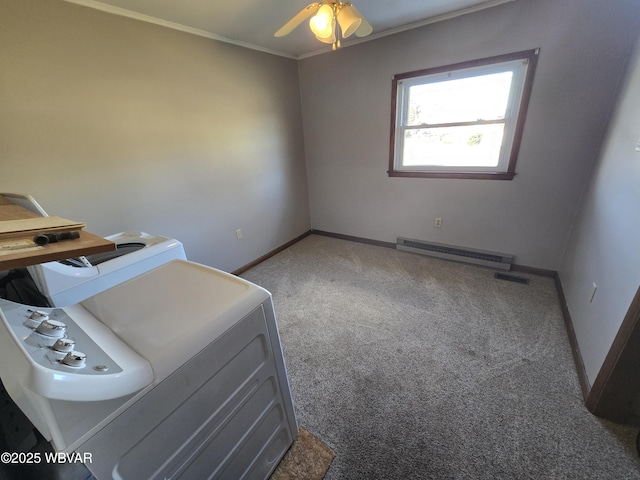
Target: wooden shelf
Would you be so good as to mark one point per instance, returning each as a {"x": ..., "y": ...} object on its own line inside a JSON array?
[
  {"x": 19, "y": 251},
  {"x": 87, "y": 244}
]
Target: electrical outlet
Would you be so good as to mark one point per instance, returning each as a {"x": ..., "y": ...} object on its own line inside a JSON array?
[
  {"x": 438, "y": 222},
  {"x": 238, "y": 234}
]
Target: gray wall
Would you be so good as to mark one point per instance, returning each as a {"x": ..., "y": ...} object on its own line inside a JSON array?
[
  {"x": 605, "y": 244},
  {"x": 346, "y": 101},
  {"x": 131, "y": 126}
]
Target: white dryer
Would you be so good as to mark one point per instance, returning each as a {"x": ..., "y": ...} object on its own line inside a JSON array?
[{"x": 177, "y": 373}]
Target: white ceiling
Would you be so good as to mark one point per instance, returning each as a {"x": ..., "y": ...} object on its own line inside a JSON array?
[{"x": 251, "y": 23}]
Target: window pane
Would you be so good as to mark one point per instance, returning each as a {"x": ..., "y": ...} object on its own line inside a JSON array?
[
  {"x": 470, "y": 99},
  {"x": 471, "y": 146}
]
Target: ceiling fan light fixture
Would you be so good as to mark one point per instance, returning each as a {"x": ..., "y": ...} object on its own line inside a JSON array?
[
  {"x": 348, "y": 20},
  {"x": 365, "y": 27},
  {"x": 330, "y": 21},
  {"x": 326, "y": 40},
  {"x": 333, "y": 34},
  {"x": 321, "y": 23}
]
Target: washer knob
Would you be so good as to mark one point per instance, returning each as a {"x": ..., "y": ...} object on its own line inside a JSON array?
[
  {"x": 74, "y": 359},
  {"x": 64, "y": 345},
  {"x": 38, "y": 315},
  {"x": 36, "y": 319},
  {"x": 51, "y": 328}
]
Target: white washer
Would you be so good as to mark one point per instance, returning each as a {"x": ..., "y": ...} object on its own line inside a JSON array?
[
  {"x": 70, "y": 281},
  {"x": 183, "y": 378}
]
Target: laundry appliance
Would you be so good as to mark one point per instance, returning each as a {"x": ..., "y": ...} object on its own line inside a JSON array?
[
  {"x": 177, "y": 373},
  {"x": 72, "y": 280}
]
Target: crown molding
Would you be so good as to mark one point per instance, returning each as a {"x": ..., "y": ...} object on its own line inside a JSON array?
[{"x": 123, "y": 12}]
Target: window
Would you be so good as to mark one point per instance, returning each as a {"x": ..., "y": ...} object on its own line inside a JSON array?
[{"x": 463, "y": 120}]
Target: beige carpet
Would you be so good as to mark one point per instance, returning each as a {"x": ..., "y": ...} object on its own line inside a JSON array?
[
  {"x": 414, "y": 368},
  {"x": 307, "y": 459}
]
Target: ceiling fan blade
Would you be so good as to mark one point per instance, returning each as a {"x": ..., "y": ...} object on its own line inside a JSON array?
[
  {"x": 300, "y": 17},
  {"x": 365, "y": 28}
]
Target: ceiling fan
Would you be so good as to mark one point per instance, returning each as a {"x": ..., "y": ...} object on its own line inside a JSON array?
[{"x": 333, "y": 19}]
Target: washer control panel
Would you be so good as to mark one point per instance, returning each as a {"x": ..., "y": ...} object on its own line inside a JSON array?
[{"x": 54, "y": 340}]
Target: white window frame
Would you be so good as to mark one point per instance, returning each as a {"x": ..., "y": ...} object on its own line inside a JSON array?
[{"x": 522, "y": 64}]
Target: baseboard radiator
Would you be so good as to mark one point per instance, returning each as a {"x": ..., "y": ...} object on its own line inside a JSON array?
[{"x": 459, "y": 254}]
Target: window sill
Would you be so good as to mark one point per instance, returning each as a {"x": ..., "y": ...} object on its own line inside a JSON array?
[{"x": 459, "y": 175}]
